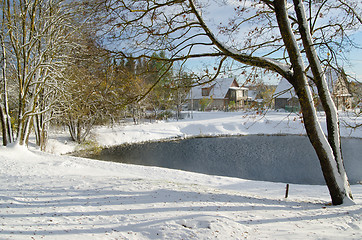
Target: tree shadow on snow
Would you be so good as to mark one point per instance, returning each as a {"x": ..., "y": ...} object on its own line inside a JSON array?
[{"x": 117, "y": 209}]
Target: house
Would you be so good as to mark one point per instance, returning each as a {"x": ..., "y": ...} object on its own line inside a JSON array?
[
  {"x": 356, "y": 91},
  {"x": 260, "y": 95},
  {"x": 221, "y": 94},
  {"x": 253, "y": 98},
  {"x": 285, "y": 97},
  {"x": 338, "y": 85}
]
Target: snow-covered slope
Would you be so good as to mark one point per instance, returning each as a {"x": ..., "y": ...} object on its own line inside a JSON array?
[
  {"x": 45, "y": 196},
  {"x": 56, "y": 197}
]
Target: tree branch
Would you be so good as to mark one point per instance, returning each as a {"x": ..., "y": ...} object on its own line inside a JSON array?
[
  {"x": 266, "y": 63},
  {"x": 359, "y": 18}
]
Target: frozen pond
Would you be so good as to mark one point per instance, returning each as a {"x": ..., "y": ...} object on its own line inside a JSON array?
[{"x": 288, "y": 159}]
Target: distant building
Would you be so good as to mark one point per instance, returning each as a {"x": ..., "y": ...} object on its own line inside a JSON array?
[
  {"x": 221, "y": 94},
  {"x": 338, "y": 86},
  {"x": 260, "y": 95},
  {"x": 285, "y": 97},
  {"x": 254, "y": 98}
]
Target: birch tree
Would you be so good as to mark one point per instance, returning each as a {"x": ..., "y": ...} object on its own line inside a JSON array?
[
  {"x": 284, "y": 37},
  {"x": 5, "y": 117},
  {"x": 34, "y": 37}
]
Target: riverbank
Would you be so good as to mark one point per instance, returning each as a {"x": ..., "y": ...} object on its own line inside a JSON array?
[
  {"x": 47, "y": 196},
  {"x": 200, "y": 124}
]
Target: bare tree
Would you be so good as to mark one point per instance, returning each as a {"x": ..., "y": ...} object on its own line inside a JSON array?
[
  {"x": 34, "y": 36},
  {"x": 5, "y": 117},
  {"x": 287, "y": 38},
  {"x": 88, "y": 93}
]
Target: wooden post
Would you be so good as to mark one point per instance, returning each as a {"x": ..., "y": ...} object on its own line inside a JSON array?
[{"x": 287, "y": 191}]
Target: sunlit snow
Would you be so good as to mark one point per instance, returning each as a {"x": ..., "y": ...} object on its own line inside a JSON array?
[{"x": 48, "y": 196}]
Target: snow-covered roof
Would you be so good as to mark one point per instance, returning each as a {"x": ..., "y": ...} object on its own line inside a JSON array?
[
  {"x": 239, "y": 88},
  {"x": 252, "y": 94},
  {"x": 218, "y": 89},
  {"x": 284, "y": 90}
]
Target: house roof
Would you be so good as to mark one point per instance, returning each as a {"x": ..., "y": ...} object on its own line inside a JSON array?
[
  {"x": 252, "y": 94},
  {"x": 218, "y": 89},
  {"x": 284, "y": 90}
]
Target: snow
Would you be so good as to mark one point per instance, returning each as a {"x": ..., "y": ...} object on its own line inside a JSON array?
[
  {"x": 48, "y": 196},
  {"x": 204, "y": 124}
]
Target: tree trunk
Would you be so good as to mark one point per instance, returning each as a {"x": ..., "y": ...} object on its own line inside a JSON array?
[
  {"x": 24, "y": 130},
  {"x": 37, "y": 129},
  {"x": 3, "y": 126},
  {"x": 333, "y": 178},
  {"x": 44, "y": 139},
  {"x": 72, "y": 128},
  {"x": 5, "y": 118},
  {"x": 334, "y": 138},
  {"x": 337, "y": 183}
]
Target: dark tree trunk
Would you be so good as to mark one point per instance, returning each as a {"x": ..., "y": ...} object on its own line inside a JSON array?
[{"x": 336, "y": 181}]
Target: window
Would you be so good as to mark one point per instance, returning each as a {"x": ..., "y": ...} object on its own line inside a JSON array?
[{"x": 205, "y": 92}]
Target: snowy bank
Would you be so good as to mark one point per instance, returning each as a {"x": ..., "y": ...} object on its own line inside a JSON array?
[
  {"x": 46, "y": 196},
  {"x": 202, "y": 124}
]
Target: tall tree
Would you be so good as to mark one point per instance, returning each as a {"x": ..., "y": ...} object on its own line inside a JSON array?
[
  {"x": 35, "y": 34},
  {"x": 161, "y": 95},
  {"x": 287, "y": 38},
  {"x": 5, "y": 117},
  {"x": 91, "y": 90}
]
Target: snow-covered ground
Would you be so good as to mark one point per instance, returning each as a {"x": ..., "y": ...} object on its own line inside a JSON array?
[
  {"x": 202, "y": 124},
  {"x": 47, "y": 196}
]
